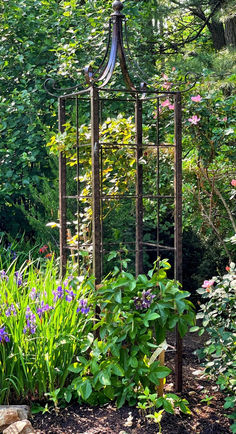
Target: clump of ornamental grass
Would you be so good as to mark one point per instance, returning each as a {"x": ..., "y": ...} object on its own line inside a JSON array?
[{"x": 40, "y": 329}]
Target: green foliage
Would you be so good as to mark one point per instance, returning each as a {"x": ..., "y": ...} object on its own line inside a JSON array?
[
  {"x": 217, "y": 313},
  {"x": 65, "y": 340},
  {"x": 149, "y": 402}
]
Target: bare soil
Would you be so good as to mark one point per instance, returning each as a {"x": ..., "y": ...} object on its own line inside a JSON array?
[{"x": 205, "y": 419}]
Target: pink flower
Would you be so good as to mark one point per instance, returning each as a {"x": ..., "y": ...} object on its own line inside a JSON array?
[
  {"x": 233, "y": 182},
  {"x": 156, "y": 114},
  {"x": 224, "y": 118},
  {"x": 173, "y": 68},
  {"x": 197, "y": 98},
  {"x": 167, "y": 85},
  {"x": 171, "y": 106},
  {"x": 194, "y": 119},
  {"x": 165, "y": 103},
  {"x": 208, "y": 283},
  {"x": 165, "y": 76}
]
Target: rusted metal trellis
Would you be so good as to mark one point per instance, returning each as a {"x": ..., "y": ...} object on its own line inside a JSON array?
[{"x": 92, "y": 100}]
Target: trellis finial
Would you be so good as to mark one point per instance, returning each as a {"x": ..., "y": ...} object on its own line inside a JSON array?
[{"x": 117, "y": 6}]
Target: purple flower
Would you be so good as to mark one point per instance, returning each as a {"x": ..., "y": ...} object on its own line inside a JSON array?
[
  {"x": 3, "y": 335},
  {"x": 145, "y": 301},
  {"x": 13, "y": 254},
  {"x": 44, "y": 308},
  {"x": 70, "y": 295},
  {"x": 30, "y": 321},
  {"x": 66, "y": 282},
  {"x": 33, "y": 294},
  {"x": 11, "y": 310},
  {"x": 83, "y": 306},
  {"x": 59, "y": 293},
  {"x": 19, "y": 279},
  {"x": 3, "y": 275}
]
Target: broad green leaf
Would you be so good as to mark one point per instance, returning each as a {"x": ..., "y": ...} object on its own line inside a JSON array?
[
  {"x": 117, "y": 369},
  {"x": 168, "y": 406},
  {"x": 75, "y": 367},
  {"x": 85, "y": 389},
  {"x": 133, "y": 362},
  {"x": 118, "y": 297},
  {"x": 104, "y": 378},
  {"x": 67, "y": 395},
  {"x": 194, "y": 329},
  {"x": 159, "y": 373}
]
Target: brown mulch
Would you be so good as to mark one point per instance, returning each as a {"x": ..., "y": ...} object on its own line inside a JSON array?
[{"x": 205, "y": 419}]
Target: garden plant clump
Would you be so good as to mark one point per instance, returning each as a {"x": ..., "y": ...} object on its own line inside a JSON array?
[
  {"x": 218, "y": 318},
  {"x": 66, "y": 340}
]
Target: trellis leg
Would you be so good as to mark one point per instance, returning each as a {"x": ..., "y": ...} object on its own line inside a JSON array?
[
  {"x": 62, "y": 191},
  {"x": 78, "y": 181},
  {"x": 158, "y": 176},
  {"x": 139, "y": 188},
  {"x": 178, "y": 228},
  {"x": 96, "y": 218}
]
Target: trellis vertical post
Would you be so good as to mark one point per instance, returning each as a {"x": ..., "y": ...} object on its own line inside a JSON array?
[
  {"x": 62, "y": 189},
  {"x": 96, "y": 218},
  {"x": 139, "y": 187},
  {"x": 178, "y": 227}
]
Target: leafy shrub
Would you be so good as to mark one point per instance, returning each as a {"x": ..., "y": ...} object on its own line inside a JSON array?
[
  {"x": 150, "y": 402},
  {"x": 218, "y": 319},
  {"x": 67, "y": 340}
]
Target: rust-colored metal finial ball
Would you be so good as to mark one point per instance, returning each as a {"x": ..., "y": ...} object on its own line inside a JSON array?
[{"x": 117, "y": 6}]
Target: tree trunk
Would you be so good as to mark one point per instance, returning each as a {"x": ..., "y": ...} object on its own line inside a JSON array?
[
  {"x": 230, "y": 32},
  {"x": 217, "y": 33}
]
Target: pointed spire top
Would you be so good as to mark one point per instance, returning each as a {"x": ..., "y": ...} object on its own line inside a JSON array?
[{"x": 117, "y": 6}]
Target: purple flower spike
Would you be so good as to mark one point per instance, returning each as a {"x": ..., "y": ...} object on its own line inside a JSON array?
[
  {"x": 3, "y": 335},
  {"x": 70, "y": 295},
  {"x": 18, "y": 277},
  {"x": 30, "y": 322},
  {"x": 10, "y": 311},
  {"x": 3, "y": 275},
  {"x": 83, "y": 306},
  {"x": 44, "y": 308},
  {"x": 59, "y": 293},
  {"x": 67, "y": 281},
  {"x": 33, "y": 294}
]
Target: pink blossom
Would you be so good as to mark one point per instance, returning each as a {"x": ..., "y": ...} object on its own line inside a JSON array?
[
  {"x": 156, "y": 114},
  {"x": 171, "y": 106},
  {"x": 173, "y": 68},
  {"x": 194, "y": 119},
  {"x": 233, "y": 182},
  {"x": 208, "y": 283},
  {"x": 165, "y": 103},
  {"x": 197, "y": 98},
  {"x": 224, "y": 118},
  {"x": 167, "y": 85},
  {"x": 165, "y": 76}
]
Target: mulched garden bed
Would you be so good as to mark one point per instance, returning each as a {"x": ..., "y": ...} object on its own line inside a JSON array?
[{"x": 205, "y": 419}]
